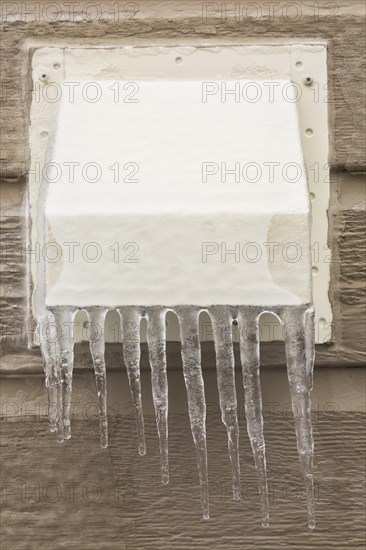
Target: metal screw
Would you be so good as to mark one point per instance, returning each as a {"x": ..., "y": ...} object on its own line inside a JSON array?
[
  {"x": 308, "y": 81},
  {"x": 43, "y": 77}
]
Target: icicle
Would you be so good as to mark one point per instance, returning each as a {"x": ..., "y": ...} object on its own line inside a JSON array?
[
  {"x": 298, "y": 323},
  {"x": 48, "y": 343},
  {"x": 249, "y": 355},
  {"x": 130, "y": 331},
  {"x": 156, "y": 339},
  {"x": 64, "y": 317},
  {"x": 225, "y": 366},
  {"x": 57, "y": 346},
  {"x": 96, "y": 316},
  {"x": 191, "y": 358}
]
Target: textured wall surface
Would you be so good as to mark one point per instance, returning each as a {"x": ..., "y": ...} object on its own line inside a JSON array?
[{"x": 78, "y": 497}]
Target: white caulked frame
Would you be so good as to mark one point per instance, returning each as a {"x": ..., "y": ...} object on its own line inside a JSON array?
[{"x": 304, "y": 64}]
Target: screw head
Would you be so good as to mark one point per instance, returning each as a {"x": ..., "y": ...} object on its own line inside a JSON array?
[
  {"x": 43, "y": 77},
  {"x": 308, "y": 81}
]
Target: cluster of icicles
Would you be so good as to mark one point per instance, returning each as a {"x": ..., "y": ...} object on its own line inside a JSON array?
[{"x": 298, "y": 328}]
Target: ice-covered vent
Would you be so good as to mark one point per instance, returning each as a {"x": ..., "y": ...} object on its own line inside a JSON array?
[{"x": 181, "y": 196}]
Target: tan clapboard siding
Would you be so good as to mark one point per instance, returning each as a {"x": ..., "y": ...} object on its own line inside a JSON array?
[{"x": 79, "y": 497}]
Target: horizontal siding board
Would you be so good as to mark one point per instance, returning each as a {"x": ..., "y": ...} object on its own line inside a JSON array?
[{"x": 118, "y": 501}]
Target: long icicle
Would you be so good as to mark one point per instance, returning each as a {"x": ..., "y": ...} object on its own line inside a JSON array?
[
  {"x": 298, "y": 323},
  {"x": 96, "y": 316},
  {"x": 48, "y": 345},
  {"x": 156, "y": 339},
  {"x": 130, "y": 331},
  {"x": 64, "y": 317},
  {"x": 191, "y": 359},
  {"x": 250, "y": 361},
  {"x": 225, "y": 367}
]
